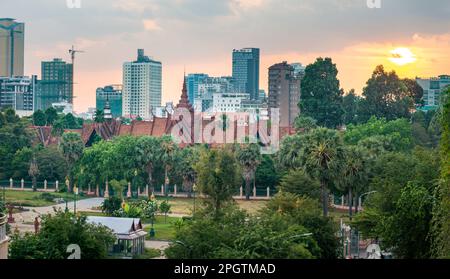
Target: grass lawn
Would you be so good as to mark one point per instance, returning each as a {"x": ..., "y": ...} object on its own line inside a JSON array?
[
  {"x": 34, "y": 199},
  {"x": 185, "y": 206},
  {"x": 163, "y": 230},
  {"x": 149, "y": 254}
]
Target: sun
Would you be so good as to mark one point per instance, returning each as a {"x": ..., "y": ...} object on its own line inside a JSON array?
[{"x": 402, "y": 56}]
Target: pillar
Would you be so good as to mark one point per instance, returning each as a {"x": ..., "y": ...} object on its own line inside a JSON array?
[
  {"x": 45, "y": 184},
  {"x": 22, "y": 184},
  {"x": 89, "y": 189},
  {"x": 146, "y": 191},
  {"x": 56, "y": 186},
  {"x": 129, "y": 190},
  {"x": 11, "y": 183},
  {"x": 97, "y": 191},
  {"x": 254, "y": 192},
  {"x": 175, "y": 189},
  {"x": 342, "y": 200},
  {"x": 106, "y": 195},
  {"x": 241, "y": 192},
  {"x": 268, "y": 192},
  {"x": 162, "y": 190}
]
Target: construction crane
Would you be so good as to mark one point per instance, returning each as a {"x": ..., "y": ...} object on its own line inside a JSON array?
[{"x": 73, "y": 53}]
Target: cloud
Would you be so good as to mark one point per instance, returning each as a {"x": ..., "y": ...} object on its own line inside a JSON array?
[{"x": 151, "y": 25}]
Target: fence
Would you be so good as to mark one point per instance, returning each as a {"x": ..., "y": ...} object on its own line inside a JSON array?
[
  {"x": 21, "y": 184},
  {"x": 131, "y": 190}
]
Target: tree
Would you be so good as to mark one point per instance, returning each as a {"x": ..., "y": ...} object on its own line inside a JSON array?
[
  {"x": 164, "y": 207},
  {"x": 321, "y": 158},
  {"x": 414, "y": 91},
  {"x": 407, "y": 230},
  {"x": 99, "y": 117},
  {"x": 249, "y": 157},
  {"x": 148, "y": 153},
  {"x": 321, "y": 94},
  {"x": 441, "y": 211},
  {"x": 72, "y": 148},
  {"x": 169, "y": 150},
  {"x": 305, "y": 124},
  {"x": 266, "y": 174},
  {"x": 397, "y": 133},
  {"x": 39, "y": 118},
  {"x": 351, "y": 105},
  {"x": 51, "y": 115},
  {"x": 57, "y": 233},
  {"x": 33, "y": 172},
  {"x": 386, "y": 96},
  {"x": 51, "y": 164},
  {"x": 218, "y": 176},
  {"x": 300, "y": 183},
  {"x": 188, "y": 157},
  {"x": 110, "y": 205},
  {"x": 355, "y": 176}
]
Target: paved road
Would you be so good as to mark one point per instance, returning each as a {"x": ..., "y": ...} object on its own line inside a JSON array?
[{"x": 24, "y": 220}]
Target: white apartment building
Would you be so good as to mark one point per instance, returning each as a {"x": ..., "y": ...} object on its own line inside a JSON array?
[
  {"x": 18, "y": 93},
  {"x": 142, "y": 86},
  {"x": 228, "y": 102}
]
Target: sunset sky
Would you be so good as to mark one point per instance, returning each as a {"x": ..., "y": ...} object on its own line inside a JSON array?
[{"x": 409, "y": 36}]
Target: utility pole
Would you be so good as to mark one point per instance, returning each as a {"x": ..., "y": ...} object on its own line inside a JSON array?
[{"x": 73, "y": 53}]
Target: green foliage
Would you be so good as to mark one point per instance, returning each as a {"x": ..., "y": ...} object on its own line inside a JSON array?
[
  {"x": 218, "y": 177},
  {"x": 110, "y": 205},
  {"x": 57, "y": 233},
  {"x": 305, "y": 124},
  {"x": 407, "y": 230},
  {"x": 352, "y": 106},
  {"x": 51, "y": 115},
  {"x": 300, "y": 183},
  {"x": 39, "y": 118},
  {"x": 321, "y": 94},
  {"x": 164, "y": 207},
  {"x": 99, "y": 116},
  {"x": 249, "y": 157},
  {"x": 396, "y": 134},
  {"x": 386, "y": 96},
  {"x": 266, "y": 174},
  {"x": 441, "y": 211}
]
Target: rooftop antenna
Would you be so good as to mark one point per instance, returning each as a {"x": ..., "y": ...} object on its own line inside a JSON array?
[{"x": 73, "y": 53}]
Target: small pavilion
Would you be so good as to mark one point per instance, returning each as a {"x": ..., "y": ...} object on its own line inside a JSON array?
[{"x": 129, "y": 232}]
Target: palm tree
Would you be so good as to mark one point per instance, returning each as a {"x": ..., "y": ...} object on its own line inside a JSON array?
[
  {"x": 249, "y": 158},
  {"x": 168, "y": 151},
  {"x": 33, "y": 172},
  {"x": 321, "y": 157},
  {"x": 355, "y": 176},
  {"x": 72, "y": 148},
  {"x": 188, "y": 158},
  {"x": 148, "y": 153}
]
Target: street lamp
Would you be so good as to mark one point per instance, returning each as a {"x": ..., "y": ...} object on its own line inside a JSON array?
[
  {"x": 67, "y": 192},
  {"x": 75, "y": 191},
  {"x": 365, "y": 194}
]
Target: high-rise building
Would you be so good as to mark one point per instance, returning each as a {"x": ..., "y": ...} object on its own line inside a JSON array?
[
  {"x": 284, "y": 92},
  {"x": 192, "y": 82},
  {"x": 112, "y": 94},
  {"x": 228, "y": 102},
  {"x": 18, "y": 93},
  {"x": 55, "y": 85},
  {"x": 12, "y": 41},
  {"x": 208, "y": 87},
  {"x": 299, "y": 69},
  {"x": 142, "y": 86},
  {"x": 432, "y": 89},
  {"x": 246, "y": 71}
]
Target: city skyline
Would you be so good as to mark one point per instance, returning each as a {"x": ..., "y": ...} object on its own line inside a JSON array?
[{"x": 181, "y": 36}]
